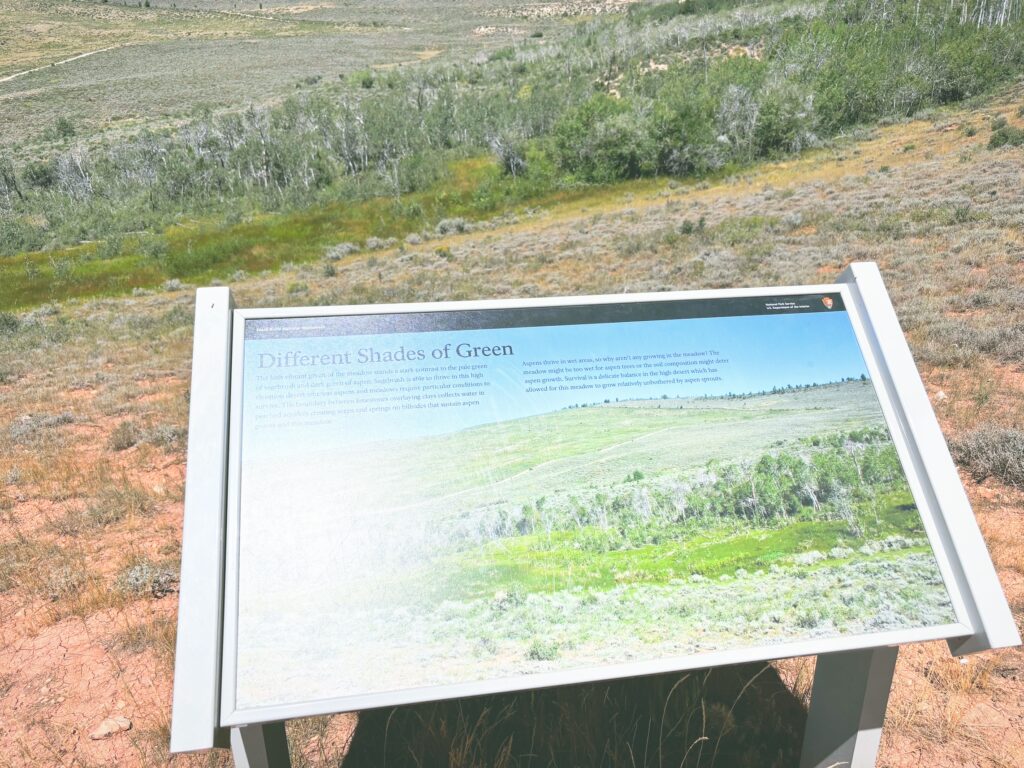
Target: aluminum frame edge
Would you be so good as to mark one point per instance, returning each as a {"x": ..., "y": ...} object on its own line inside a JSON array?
[
  {"x": 195, "y": 715},
  {"x": 966, "y": 621},
  {"x": 990, "y": 614}
]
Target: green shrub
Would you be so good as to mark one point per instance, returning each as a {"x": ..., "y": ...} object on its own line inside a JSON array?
[
  {"x": 1006, "y": 136},
  {"x": 62, "y": 128},
  {"x": 502, "y": 54},
  {"x": 9, "y": 323},
  {"x": 39, "y": 174},
  {"x": 605, "y": 140},
  {"x": 785, "y": 121},
  {"x": 542, "y": 650},
  {"x": 362, "y": 78}
]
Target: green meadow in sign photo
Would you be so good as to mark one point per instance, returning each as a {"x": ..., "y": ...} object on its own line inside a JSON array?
[{"x": 444, "y": 506}]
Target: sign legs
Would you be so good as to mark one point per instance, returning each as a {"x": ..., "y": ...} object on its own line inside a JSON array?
[
  {"x": 260, "y": 746},
  {"x": 844, "y": 725}
]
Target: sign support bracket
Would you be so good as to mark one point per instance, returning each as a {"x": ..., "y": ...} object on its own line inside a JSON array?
[
  {"x": 848, "y": 700},
  {"x": 260, "y": 746}
]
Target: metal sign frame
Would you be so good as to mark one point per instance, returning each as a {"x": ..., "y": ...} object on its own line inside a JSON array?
[{"x": 845, "y": 719}]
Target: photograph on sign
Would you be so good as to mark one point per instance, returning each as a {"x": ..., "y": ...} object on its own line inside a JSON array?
[{"x": 434, "y": 498}]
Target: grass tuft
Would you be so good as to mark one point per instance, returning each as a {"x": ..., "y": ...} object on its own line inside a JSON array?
[
  {"x": 143, "y": 577},
  {"x": 157, "y": 635},
  {"x": 542, "y": 650},
  {"x": 125, "y": 435},
  {"x": 114, "y": 503}
]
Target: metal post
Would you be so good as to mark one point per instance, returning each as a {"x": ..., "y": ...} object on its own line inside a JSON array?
[
  {"x": 848, "y": 699},
  {"x": 195, "y": 718},
  {"x": 260, "y": 746}
]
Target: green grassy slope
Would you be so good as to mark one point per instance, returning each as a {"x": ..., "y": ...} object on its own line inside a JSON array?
[{"x": 516, "y": 462}]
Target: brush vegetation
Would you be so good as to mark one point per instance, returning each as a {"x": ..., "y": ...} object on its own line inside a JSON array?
[
  {"x": 659, "y": 91},
  {"x": 992, "y": 451}
]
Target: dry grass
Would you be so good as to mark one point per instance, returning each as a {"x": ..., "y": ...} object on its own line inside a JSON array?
[
  {"x": 951, "y": 708},
  {"x": 991, "y": 451},
  {"x": 152, "y": 66},
  {"x": 157, "y": 635},
  {"x": 116, "y": 500},
  {"x": 56, "y": 581},
  {"x": 735, "y": 716}
]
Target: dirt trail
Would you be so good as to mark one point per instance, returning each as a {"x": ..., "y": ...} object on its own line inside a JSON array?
[{"x": 7, "y": 78}]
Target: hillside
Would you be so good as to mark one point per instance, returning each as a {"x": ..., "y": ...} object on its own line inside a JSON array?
[
  {"x": 592, "y": 446},
  {"x": 153, "y": 65},
  {"x": 125, "y": 362},
  {"x": 378, "y": 158}
]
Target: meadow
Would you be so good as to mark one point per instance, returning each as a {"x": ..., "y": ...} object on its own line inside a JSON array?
[
  {"x": 620, "y": 532},
  {"x": 156, "y": 65},
  {"x": 93, "y": 411}
]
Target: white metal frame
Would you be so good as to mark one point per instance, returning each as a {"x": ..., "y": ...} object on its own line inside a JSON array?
[
  {"x": 195, "y": 715},
  {"x": 989, "y": 614},
  {"x": 984, "y": 620}
]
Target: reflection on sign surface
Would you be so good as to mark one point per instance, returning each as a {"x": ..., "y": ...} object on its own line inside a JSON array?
[{"x": 450, "y": 497}]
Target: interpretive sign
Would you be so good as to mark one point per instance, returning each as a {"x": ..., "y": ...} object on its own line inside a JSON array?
[{"x": 430, "y": 501}]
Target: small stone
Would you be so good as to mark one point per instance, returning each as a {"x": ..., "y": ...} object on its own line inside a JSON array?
[{"x": 110, "y": 726}]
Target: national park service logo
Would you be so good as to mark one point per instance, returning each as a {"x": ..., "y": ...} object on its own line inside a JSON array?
[{"x": 827, "y": 301}]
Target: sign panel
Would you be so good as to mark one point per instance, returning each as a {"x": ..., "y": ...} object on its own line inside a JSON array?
[{"x": 434, "y": 503}]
